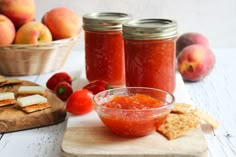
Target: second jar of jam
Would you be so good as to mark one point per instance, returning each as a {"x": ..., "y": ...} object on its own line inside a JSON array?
[
  {"x": 150, "y": 53},
  {"x": 104, "y": 47}
]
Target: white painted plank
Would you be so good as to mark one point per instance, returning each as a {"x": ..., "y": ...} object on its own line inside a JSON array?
[
  {"x": 216, "y": 93},
  {"x": 42, "y": 142},
  {"x": 222, "y": 146}
]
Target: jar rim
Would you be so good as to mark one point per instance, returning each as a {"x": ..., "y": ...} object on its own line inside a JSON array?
[
  {"x": 104, "y": 21},
  {"x": 146, "y": 29}
]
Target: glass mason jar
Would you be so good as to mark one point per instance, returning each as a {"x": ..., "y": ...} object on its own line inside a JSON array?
[
  {"x": 104, "y": 47},
  {"x": 150, "y": 53}
]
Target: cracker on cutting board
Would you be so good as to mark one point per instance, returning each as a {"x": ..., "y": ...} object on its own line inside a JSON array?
[
  {"x": 182, "y": 108},
  {"x": 2, "y": 80},
  {"x": 184, "y": 117},
  {"x": 37, "y": 107},
  {"x": 178, "y": 124},
  {"x": 9, "y": 81},
  {"x": 206, "y": 117}
]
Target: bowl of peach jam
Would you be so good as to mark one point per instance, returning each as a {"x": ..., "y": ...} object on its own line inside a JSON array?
[{"x": 133, "y": 111}]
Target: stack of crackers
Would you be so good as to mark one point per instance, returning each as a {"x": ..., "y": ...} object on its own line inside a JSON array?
[
  {"x": 8, "y": 81},
  {"x": 184, "y": 117},
  {"x": 29, "y": 98}
]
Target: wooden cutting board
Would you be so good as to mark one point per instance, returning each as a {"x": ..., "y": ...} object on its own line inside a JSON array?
[
  {"x": 13, "y": 119},
  {"x": 92, "y": 139},
  {"x": 86, "y": 136}
]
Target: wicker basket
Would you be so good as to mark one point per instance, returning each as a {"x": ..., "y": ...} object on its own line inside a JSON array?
[{"x": 16, "y": 60}]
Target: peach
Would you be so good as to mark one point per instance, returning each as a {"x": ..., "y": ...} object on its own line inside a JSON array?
[
  {"x": 195, "y": 62},
  {"x": 19, "y": 11},
  {"x": 33, "y": 33},
  {"x": 190, "y": 39},
  {"x": 62, "y": 22},
  {"x": 7, "y": 30}
]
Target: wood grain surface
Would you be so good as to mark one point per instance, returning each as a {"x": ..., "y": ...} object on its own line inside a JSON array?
[
  {"x": 13, "y": 119},
  {"x": 100, "y": 142}
]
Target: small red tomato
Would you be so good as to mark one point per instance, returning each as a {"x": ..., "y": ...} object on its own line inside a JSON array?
[
  {"x": 63, "y": 90},
  {"x": 80, "y": 102},
  {"x": 97, "y": 86},
  {"x": 58, "y": 77}
]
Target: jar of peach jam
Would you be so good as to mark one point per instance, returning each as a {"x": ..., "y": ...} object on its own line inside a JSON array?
[
  {"x": 150, "y": 53},
  {"x": 104, "y": 47}
]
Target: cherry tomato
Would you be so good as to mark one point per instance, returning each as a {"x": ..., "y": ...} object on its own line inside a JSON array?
[
  {"x": 63, "y": 90},
  {"x": 58, "y": 77},
  {"x": 97, "y": 86},
  {"x": 80, "y": 102}
]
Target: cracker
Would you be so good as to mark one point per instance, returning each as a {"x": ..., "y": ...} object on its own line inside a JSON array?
[
  {"x": 178, "y": 124},
  {"x": 2, "y": 81},
  {"x": 205, "y": 117},
  {"x": 9, "y": 81},
  {"x": 9, "y": 102},
  {"x": 182, "y": 108},
  {"x": 14, "y": 81},
  {"x": 33, "y": 108}
]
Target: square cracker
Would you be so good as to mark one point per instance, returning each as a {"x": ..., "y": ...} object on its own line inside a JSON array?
[
  {"x": 177, "y": 124},
  {"x": 205, "y": 117},
  {"x": 182, "y": 108},
  {"x": 37, "y": 107},
  {"x": 2, "y": 81},
  {"x": 10, "y": 102},
  {"x": 9, "y": 81}
]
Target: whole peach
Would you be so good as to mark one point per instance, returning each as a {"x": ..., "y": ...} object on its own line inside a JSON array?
[
  {"x": 62, "y": 22},
  {"x": 33, "y": 33},
  {"x": 195, "y": 62},
  {"x": 19, "y": 11},
  {"x": 7, "y": 30},
  {"x": 189, "y": 39}
]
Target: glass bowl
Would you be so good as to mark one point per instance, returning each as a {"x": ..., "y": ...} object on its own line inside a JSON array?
[{"x": 133, "y": 111}]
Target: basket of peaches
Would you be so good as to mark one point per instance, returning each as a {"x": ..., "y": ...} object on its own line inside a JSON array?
[{"x": 29, "y": 46}]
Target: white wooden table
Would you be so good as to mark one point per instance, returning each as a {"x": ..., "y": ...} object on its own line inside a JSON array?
[{"x": 215, "y": 95}]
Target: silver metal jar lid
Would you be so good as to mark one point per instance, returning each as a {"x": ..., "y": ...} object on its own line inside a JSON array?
[
  {"x": 148, "y": 29},
  {"x": 104, "y": 21}
]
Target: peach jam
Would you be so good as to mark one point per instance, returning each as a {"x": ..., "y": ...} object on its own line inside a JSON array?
[
  {"x": 104, "y": 47},
  {"x": 138, "y": 118},
  {"x": 150, "y": 53},
  {"x": 133, "y": 111}
]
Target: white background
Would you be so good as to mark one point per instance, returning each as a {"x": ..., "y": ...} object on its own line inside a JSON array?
[{"x": 216, "y": 19}]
